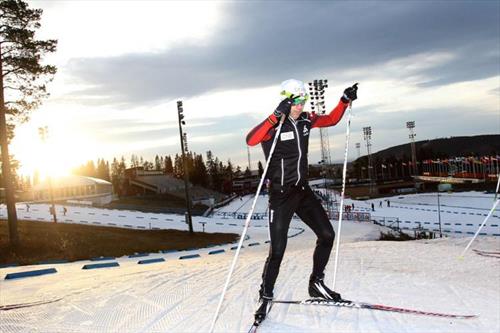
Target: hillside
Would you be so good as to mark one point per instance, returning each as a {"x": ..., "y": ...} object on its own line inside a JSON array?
[{"x": 479, "y": 145}]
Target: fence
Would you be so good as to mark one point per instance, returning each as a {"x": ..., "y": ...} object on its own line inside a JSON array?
[{"x": 351, "y": 216}]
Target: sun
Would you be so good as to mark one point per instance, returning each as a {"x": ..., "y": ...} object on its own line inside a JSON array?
[{"x": 55, "y": 156}]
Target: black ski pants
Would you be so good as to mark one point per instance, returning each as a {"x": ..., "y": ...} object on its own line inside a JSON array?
[{"x": 282, "y": 205}]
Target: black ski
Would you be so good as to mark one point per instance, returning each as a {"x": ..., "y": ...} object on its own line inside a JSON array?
[
  {"x": 362, "y": 305},
  {"x": 493, "y": 254}
]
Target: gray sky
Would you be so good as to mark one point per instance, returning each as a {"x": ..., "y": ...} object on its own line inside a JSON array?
[{"x": 122, "y": 66}]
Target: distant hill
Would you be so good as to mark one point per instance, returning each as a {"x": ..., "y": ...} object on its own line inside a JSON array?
[{"x": 479, "y": 145}]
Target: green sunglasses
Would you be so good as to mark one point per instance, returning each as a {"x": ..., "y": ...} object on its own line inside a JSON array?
[{"x": 299, "y": 101}]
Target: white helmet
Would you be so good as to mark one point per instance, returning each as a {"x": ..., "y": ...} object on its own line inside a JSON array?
[{"x": 294, "y": 87}]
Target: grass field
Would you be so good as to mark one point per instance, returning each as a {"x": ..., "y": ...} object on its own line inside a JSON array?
[{"x": 41, "y": 241}]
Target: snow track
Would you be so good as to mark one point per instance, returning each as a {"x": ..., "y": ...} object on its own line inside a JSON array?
[{"x": 181, "y": 295}]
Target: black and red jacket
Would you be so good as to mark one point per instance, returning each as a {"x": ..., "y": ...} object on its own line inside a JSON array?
[{"x": 289, "y": 165}]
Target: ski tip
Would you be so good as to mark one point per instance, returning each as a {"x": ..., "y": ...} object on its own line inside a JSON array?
[
  {"x": 460, "y": 258},
  {"x": 469, "y": 316}
]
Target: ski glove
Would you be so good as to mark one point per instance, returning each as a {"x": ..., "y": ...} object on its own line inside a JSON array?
[
  {"x": 350, "y": 94},
  {"x": 284, "y": 107}
]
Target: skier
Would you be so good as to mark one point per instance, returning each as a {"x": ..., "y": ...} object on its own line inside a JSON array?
[{"x": 289, "y": 191}]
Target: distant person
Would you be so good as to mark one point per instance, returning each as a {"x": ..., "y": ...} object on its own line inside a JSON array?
[
  {"x": 373, "y": 207},
  {"x": 290, "y": 192},
  {"x": 388, "y": 203},
  {"x": 353, "y": 206},
  {"x": 380, "y": 204},
  {"x": 27, "y": 208},
  {"x": 65, "y": 210}
]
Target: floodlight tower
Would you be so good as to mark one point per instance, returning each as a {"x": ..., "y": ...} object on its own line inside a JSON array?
[
  {"x": 358, "y": 148},
  {"x": 317, "y": 91},
  {"x": 411, "y": 125},
  {"x": 183, "y": 137},
  {"x": 317, "y": 94},
  {"x": 249, "y": 161},
  {"x": 367, "y": 134}
]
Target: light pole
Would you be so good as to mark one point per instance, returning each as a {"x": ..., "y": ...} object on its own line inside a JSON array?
[
  {"x": 439, "y": 215},
  {"x": 44, "y": 133},
  {"x": 183, "y": 137},
  {"x": 411, "y": 125},
  {"x": 358, "y": 148},
  {"x": 249, "y": 161},
  {"x": 367, "y": 134},
  {"x": 317, "y": 94}
]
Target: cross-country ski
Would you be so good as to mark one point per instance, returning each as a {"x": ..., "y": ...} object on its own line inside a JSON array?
[
  {"x": 369, "y": 306},
  {"x": 8, "y": 307}
]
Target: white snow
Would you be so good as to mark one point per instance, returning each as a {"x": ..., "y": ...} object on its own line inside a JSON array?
[{"x": 181, "y": 295}]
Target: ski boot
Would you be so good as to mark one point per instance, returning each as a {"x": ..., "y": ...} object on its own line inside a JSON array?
[
  {"x": 264, "y": 306},
  {"x": 318, "y": 289}
]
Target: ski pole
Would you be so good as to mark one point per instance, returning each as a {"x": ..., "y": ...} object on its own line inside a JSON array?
[
  {"x": 247, "y": 223},
  {"x": 497, "y": 201},
  {"x": 344, "y": 176},
  {"x": 498, "y": 186}
]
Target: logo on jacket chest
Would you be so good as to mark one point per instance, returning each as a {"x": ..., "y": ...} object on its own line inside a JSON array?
[{"x": 305, "y": 132}]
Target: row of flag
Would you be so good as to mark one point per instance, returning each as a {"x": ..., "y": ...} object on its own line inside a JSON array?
[{"x": 465, "y": 160}]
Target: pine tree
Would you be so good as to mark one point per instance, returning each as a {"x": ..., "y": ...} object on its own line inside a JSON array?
[
  {"x": 90, "y": 169},
  {"x": 247, "y": 173},
  {"x": 102, "y": 172},
  {"x": 157, "y": 163},
  {"x": 261, "y": 168},
  {"x": 169, "y": 168},
  {"x": 200, "y": 173},
  {"x": 108, "y": 172},
  {"x": 178, "y": 167},
  {"x": 230, "y": 175},
  {"x": 134, "y": 162},
  {"x": 22, "y": 82},
  {"x": 211, "y": 170}
]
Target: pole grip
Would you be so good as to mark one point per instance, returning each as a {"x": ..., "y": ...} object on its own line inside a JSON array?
[{"x": 282, "y": 119}]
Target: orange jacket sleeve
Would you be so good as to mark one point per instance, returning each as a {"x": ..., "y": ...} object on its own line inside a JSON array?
[
  {"x": 329, "y": 119},
  {"x": 262, "y": 132}
]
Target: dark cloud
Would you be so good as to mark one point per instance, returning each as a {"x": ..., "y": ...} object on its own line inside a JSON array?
[{"x": 262, "y": 43}]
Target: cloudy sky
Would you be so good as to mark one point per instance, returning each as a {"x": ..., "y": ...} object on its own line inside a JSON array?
[{"x": 122, "y": 65}]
